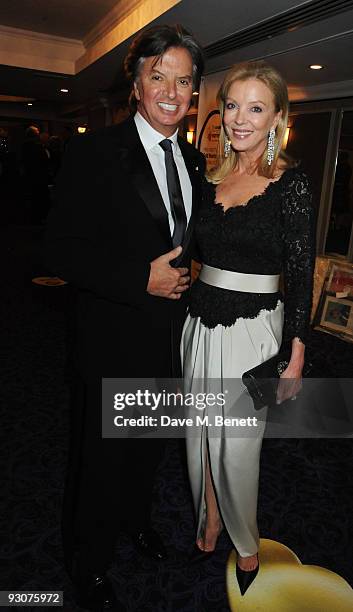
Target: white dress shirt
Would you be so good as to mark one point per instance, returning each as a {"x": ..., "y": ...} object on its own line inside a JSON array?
[{"x": 150, "y": 139}]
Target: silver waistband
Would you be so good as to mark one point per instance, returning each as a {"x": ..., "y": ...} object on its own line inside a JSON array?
[{"x": 237, "y": 281}]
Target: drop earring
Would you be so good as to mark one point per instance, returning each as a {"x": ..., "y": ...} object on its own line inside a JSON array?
[
  {"x": 226, "y": 147},
  {"x": 271, "y": 146}
]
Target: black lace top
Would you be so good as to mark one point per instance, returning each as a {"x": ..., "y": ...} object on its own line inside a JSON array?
[{"x": 272, "y": 233}]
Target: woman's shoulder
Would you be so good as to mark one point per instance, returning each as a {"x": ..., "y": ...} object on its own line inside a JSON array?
[
  {"x": 296, "y": 195},
  {"x": 294, "y": 174},
  {"x": 296, "y": 181}
]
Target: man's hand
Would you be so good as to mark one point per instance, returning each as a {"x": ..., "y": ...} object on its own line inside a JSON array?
[{"x": 166, "y": 281}]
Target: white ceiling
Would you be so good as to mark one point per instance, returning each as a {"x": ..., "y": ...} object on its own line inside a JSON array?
[
  {"x": 215, "y": 19},
  {"x": 329, "y": 42}
]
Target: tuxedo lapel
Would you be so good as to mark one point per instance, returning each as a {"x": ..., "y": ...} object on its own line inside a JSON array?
[
  {"x": 137, "y": 168},
  {"x": 147, "y": 187}
]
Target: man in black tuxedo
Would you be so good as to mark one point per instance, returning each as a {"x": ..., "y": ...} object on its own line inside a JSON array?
[{"x": 121, "y": 234}]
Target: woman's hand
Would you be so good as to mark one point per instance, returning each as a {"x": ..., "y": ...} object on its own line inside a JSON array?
[{"x": 290, "y": 382}]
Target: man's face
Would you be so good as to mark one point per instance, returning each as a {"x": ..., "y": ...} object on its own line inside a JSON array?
[{"x": 163, "y": 90}]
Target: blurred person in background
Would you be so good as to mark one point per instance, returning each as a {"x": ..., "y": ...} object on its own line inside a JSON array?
[{"x": 35, "y": 163}]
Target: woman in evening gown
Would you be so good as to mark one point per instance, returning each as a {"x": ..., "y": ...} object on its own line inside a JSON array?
[{"x": 255, "y": 223}]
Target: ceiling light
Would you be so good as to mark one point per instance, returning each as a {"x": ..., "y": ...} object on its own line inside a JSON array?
[
  {"x": 64, "y": 90},
  {"x": 316, "y": 67},
  {"x": 29, "y": 104}
]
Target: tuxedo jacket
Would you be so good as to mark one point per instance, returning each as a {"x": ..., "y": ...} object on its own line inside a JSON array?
[{"x": 107, "y": 224}]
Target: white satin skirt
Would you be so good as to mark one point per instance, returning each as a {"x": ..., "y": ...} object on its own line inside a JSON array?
[{"x": 219, "y": 354}]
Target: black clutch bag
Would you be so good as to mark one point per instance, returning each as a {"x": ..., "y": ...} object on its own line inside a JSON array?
[
  {"x": 321, "y": 407},
  {"x": 262, "y": 381}
]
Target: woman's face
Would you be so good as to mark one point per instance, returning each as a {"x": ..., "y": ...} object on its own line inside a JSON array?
[{"x": 249, "y": 114}]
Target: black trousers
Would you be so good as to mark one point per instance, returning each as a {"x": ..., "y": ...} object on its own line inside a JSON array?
[{"x": 108, "y": 489}]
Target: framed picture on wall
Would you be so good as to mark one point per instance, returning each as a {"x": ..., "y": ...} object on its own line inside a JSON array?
[
  {"x": 337, "y": 315},
  {"x": 340, "y": 280},
  {"x": 334, "y": 313}
]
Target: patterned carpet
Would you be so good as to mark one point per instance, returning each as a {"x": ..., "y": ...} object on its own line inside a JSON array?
[{"x": 306, "y": 488}]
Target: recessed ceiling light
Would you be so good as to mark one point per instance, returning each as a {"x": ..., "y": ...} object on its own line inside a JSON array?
[
  {"x": 29, "y": 104},
  {"x": 316, "y": 67},
  {"x": 64, "y": 90}
]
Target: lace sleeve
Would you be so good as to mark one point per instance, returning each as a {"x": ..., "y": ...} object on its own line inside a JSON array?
[{"x": 299, "y": 257}]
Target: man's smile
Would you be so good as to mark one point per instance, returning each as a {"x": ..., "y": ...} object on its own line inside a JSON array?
[{"x": 168, "y": 107}]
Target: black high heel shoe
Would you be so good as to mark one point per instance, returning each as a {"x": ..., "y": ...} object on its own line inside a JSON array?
[{"x": 245, "y": 578}]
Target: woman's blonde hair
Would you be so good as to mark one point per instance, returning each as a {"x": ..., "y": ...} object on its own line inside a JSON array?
[{"x": 273, "y": 80}]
